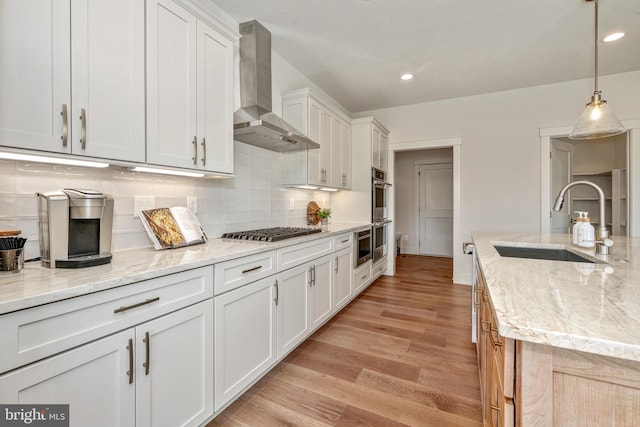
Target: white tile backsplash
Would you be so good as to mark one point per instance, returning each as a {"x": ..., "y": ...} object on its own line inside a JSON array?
[{"x": 253, "y": 198}]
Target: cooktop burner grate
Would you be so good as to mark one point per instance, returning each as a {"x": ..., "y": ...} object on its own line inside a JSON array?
[{"x": 274, "y": 234}]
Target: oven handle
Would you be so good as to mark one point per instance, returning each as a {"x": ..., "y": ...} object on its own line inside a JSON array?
[{"x": 380, "y": 223}]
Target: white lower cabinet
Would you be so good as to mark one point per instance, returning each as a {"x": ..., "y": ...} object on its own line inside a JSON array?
[
  {"x": 245, "y": 337},
  {"x": 135, "y": 355},
  {"x": 174, "y": 368},
  {"x": 158, "y": 373},
  {"x": 342, "y": 288},
  {"x": 73, "y": 378},
  {"x": 321, "y": 297},
  {"x": 294, "y": 287}
]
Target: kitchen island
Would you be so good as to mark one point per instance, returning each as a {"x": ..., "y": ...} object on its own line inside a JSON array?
[{"x": 558, "y": 341}]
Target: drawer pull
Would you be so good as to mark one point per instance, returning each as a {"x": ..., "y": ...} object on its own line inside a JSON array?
[
  {"x": 483, "y": 323},
  {"x": 140, "y": 304},
  {"x": 249, "y": 270},
  {"x": 495, "y": 408},
  {"x": 146, "y": 363},
  {"x": 363, "y": 277},
  {"x": 345, "y": 241},
  {"x": 130, "y": 371}
]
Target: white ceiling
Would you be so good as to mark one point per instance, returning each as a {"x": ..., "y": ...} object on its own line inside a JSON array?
[{"x": 356, "y": 50}]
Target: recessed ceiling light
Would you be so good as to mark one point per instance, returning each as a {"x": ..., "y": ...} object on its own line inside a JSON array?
[
  {"x": 407, "y": 76},
  {"x": 613, "y": 37}
]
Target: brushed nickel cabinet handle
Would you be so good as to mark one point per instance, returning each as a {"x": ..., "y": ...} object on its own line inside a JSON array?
[
  {"x": 65, "y": 125},
  {"x": 83, "y": 131},
  {"x": 139, "y": 304},
  {"x": 130, "y": 371},
  {"x": 345, "y": 241},
  {"x": 204, "y": 151},
  {"x": 336, "y": 264},
  {"x": 344, "y": 179},
  {"x": 249, "y": 270},
  {"x": 314, "y": 275},
  {"x": 363, "y": 277},
  {"x": 147, "y": 356},
  {"x": 495, "y": 408},
  {"x": 275, "y": 299},
  {"x": 310, "y": 276},
  {"x": 195, "y": 147}
]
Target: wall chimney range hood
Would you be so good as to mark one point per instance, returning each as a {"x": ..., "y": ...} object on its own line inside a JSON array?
[{"x": 254, "y": 123}]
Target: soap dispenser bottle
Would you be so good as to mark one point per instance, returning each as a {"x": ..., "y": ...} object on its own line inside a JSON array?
[
  {"x": 576, "y": 226},
  {"x": 587, "y": 237}
]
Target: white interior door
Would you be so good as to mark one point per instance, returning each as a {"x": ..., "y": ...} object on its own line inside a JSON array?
[
  {"x": 561, "y": 156},
  {"x": 436, "y": 209}
]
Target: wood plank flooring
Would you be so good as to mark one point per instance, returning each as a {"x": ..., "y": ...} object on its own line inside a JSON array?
[{"x": 398, "y": 355}]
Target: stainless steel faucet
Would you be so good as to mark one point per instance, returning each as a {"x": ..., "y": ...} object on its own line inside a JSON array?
[{"x": 602, "y": 234}]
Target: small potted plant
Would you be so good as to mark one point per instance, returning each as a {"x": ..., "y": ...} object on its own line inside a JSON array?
[{"x": 324, "y": 214}]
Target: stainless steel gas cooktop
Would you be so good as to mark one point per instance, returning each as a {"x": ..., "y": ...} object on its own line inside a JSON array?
[{"x": 274, "y": 234}]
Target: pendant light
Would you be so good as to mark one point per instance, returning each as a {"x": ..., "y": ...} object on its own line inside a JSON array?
[{"x": 597, "y": 120}]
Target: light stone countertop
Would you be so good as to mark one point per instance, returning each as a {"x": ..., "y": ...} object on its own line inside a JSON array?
[
  {"x": 36, "y": 285},
  {"x": 593, "y": 308}
]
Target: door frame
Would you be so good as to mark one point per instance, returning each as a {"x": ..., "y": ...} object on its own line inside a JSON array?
[
  {"x": 417, "y": 164},
  {"x": 456, "y": 145},
  {"x": 633, "y": 162}
]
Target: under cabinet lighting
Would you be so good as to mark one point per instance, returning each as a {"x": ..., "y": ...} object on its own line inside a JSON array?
[
  {"x": 613, "y": 37},
  {"x": 54, "y": 160},
  {"x": 307, "y": 187},
  {"x": 328, "y": 189},
  {"x": 167, "y": 172}
]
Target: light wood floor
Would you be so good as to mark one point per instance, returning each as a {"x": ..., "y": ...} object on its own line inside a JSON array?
[{"x": 400, "y": 354}]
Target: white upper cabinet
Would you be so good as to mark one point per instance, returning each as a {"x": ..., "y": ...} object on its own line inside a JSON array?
[
  {"x": 93, "y": 49},
  {"x": 107, "y": 57},
  {"x": 379, "y": 146},
  {"x": 189, "y": 91},
  {"x": 330, "y": 165}
]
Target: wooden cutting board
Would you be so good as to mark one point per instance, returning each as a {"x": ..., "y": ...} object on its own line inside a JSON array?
[{"x": 312, "y": 213}]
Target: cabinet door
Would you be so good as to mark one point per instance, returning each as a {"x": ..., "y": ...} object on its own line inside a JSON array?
[
  {"x": 384, "y": 147},
  {"x": 345, "y": 156},
  {"x": 35, "y": 72},
  {"x": 293, "y": 319},
  {"x": 93, "y": 379},
  {"x": 375, "y": 147},
  {"x": 314, "y": 121},
  {"x": 326, "y": 167},
  {"x": 215, "y": 100},
  {"x": 245, "y": 337},
  {"x": 108, "y": 112},
  {"x": 174, "y": 368},
  {"x": 336, "y": 152},
  {"x": 321, "y": 298},
  {"x": 342, "y": 287},
  {"x": 171, "y": 85}
]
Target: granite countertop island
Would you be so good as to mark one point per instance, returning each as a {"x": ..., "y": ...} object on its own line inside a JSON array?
[
  {"x": 36, "y": 285},
  {"x": 593, "y": 308}
]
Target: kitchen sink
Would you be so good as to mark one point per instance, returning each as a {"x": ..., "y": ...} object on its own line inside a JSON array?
[{"x": 541, "y": 253}]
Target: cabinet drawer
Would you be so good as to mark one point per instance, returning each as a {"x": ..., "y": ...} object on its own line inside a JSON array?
[
  {"x": 342, "y": 241},
  {"x": 235, "y": 273},
  {"x": 379, "y": 267},
  {"x": 38, "y": 332},
  {"x": 361, "y": 276},
  {"x": 292, "y": 256}
]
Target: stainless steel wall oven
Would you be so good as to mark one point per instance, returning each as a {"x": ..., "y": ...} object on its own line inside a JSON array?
[{"x": 379, "y": 212}]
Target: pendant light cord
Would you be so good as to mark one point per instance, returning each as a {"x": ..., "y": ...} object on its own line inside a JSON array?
[{"x": 596, "y": 47}]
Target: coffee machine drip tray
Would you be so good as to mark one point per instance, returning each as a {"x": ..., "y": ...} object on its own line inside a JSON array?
[{"x": 83, "y": 261}]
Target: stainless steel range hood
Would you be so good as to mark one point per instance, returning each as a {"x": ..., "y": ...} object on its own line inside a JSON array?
[{"x": 254, "y": 123}]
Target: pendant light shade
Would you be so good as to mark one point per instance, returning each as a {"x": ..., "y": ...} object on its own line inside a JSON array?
[{"x": 597, "y": 120}]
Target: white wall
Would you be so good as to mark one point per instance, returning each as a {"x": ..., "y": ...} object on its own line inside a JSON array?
[{"x": 500, "y": 152}]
